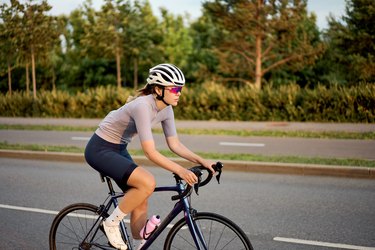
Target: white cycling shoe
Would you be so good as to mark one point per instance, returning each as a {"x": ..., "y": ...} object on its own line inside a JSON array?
[{"x": 114, "y": 236}]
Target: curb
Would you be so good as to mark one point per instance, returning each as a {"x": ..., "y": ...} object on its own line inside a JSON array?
[{"x": 244, "y": 166}]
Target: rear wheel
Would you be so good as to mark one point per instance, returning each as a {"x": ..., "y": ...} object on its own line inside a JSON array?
[
  {"x": 78, "y": 227},
  {"x": 217, "y": 232}
]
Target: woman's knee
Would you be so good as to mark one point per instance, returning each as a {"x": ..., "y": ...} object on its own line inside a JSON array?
[
  {"x": 150, "y": 184},
  {"x": 143, "y": 180}
]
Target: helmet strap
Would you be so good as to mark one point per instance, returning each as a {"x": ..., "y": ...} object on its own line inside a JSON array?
[{"x": 161, "y": 97}]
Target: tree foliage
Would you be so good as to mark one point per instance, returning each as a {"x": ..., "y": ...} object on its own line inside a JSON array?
[
  {"x": 8, "y": 40},
  {"x": 258, "y": 36},
  {"x": 352, "y": 42},
  {"x": 143, "y": 37},
  {"x": 103, "y": 32},
  {"x": 32, "y": 32},
  {"x": 256, "y": 42}
]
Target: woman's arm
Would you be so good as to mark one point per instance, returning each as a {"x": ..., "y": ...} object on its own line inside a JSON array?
[
  {"x": 180, "y": 149},
  {"x": 159, "y": 159}
]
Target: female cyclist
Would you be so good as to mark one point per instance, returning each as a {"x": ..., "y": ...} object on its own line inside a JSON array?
[{"x": 106, "y": 151}]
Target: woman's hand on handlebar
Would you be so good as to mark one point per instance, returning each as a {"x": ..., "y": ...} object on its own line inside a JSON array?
[
  {"x": 209, "y": 165},
  {"x": 188, "y": 176}
]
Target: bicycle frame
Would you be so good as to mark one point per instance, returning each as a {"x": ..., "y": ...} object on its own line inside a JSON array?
[
  {"x": 182, "y": 205},
  {"x": 82, "y": 223}
]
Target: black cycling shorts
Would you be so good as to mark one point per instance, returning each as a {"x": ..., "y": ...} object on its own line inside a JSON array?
[{"x": 110, "y": 159}]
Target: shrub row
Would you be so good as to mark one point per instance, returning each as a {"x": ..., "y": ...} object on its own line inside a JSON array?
[
  {"x": 211, "y": 101},
  {"x": 285, "y": 103},
  {"x": 93, "y": 103}
]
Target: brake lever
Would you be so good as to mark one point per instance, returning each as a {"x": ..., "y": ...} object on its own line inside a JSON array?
[
  {"x": 218, "y": 176},
  {"x": 218, "y": 168},
  {"x": 199, "y": 175}
]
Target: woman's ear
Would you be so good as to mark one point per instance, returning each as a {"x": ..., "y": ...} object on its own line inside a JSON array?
[{"x": 158, "y": 90}]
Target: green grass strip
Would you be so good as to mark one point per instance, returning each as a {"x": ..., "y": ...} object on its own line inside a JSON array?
[
  {"x": 277, "y": 133},
  {"x": 46, "y": 127},
  {"x": 216, "y": 156},
  {"x": 242, "y": 133}
]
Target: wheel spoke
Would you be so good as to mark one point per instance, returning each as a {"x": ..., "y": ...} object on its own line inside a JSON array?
[
  {"x": 77, "y": 226},
  {"x": 217, "y": 233}
]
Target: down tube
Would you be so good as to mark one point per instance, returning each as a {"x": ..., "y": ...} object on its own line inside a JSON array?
[{"x": 176, "y": 210}]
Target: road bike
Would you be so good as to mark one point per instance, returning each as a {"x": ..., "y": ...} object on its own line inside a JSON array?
[{"x": 79, "y": 226}]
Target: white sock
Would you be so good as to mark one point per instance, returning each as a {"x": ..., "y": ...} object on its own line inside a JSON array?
[{"x": 115, "y": 218}]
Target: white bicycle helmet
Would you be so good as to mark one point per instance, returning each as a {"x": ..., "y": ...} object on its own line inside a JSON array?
[{"x": 166, "y": 75}]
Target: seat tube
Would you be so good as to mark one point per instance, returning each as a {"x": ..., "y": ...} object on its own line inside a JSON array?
[
  {"x": 124, "y": 231},
  {"x": 122, "y": 223}
]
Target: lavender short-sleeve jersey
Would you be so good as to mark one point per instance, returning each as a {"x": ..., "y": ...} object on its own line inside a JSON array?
[{"x": 136, "y": 117}]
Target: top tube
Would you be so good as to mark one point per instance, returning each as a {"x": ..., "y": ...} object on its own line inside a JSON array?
[{"x": 179, "y": 187}]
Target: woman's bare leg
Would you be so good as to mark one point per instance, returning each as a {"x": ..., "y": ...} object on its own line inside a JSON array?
[
  {"x": 138, "y": 219},
  {"x": 135, "y": 199}
]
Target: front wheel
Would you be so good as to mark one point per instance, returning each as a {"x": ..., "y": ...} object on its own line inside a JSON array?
[
  {"x": 217, "y": 232},
  {"x": 78, "y": 227}
]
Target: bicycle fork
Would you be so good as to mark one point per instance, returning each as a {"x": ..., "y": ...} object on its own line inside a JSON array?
[{"x": 194, "y": 229}]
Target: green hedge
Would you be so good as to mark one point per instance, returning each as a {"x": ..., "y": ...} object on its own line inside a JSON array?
[
  {"x": 285, "y": 103},
  {"x": 93, "y": 103},
  {"x": 212, "y": 101}
]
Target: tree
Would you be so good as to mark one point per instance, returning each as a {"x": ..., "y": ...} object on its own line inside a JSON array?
[
  {"x": 143, "y": 37},
  {"x": 38, "y": 34},
  {"x": 202, "y": 62},
  {"x": 258, "y": 36},
  {"x": 71, "y": 71},
  {"x": 104, "y": 32},
  {"x": 177, "y": 42},
  {"x": 352, "y": 41},
  {"x": 301, "y": 73},
  {"x": 8, "y": 40}
]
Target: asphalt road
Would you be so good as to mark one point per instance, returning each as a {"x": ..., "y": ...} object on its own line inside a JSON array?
[
  {"x": 326, "y": 148},
  {"x": 315, "y": 212}
]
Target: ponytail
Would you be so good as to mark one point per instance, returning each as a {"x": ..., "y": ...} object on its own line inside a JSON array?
[{"x": 148, "y": 89}]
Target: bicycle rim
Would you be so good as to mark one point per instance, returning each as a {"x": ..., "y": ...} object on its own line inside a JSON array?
[
  {"x": 78, "y": 227},
  {"x": 218, "y": 233}
]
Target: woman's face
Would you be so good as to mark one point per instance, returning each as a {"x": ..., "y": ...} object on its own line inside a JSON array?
[{"x": 172, "y": 95}]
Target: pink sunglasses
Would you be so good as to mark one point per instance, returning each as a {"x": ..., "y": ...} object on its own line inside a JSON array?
[{"x": 174, "y": 90}]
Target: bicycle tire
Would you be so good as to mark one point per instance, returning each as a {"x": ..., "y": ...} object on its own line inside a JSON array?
[
  {"x": 218, "y": 232},
  {"x": 75, "y": 223}
]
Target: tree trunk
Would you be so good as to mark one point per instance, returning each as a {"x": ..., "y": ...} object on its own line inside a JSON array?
[
  {"x": 33, "y": 73},
  {"x": 135, "y": 73},
  {"x": 258, "y": 62},
  {"x": 53, "y": 81},
  {"x": 258, "y": 50},
  {"x": 9, "y": 79},
  {"x": 118, "y": 66},
  {"x": 27, "y": 79}
]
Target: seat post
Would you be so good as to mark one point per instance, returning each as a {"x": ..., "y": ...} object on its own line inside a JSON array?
[
  {"x": 109, "y": 183},
  {"x": 110, "y": 186}
]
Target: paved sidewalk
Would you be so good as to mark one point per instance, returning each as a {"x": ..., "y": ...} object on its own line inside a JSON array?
[{"x": 237, "y": 125}]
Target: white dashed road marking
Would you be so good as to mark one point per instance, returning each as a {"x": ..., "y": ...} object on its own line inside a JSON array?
[
  {"x": 322, "y": 244},
  {"x": 77, "y": 138},
  {"x": 241, "y": 144}
]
